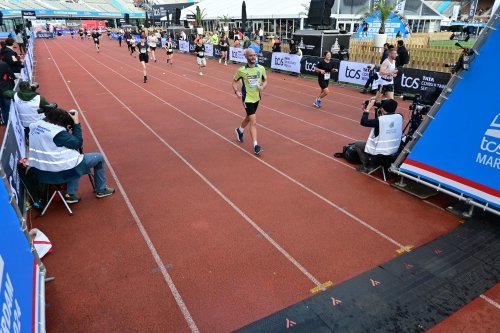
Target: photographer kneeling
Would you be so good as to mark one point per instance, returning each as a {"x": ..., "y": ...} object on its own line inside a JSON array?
[
  {"x": 27, "y": 103},
  {"x": 54, "y": 155},
  {"x": 385, "y": 136}
]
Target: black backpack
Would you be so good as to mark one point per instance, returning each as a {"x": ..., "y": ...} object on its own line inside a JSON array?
[{"x": 350, "y": 153}]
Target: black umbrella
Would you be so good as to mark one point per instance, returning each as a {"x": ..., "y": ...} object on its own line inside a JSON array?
[{"x": 243, "y": 17}]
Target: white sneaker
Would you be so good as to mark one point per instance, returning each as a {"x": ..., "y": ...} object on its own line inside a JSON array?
[
  {"x": 220, "y": 60},
  {"x": 225, "y": 63},
  {"x": 201, "y": 73}
]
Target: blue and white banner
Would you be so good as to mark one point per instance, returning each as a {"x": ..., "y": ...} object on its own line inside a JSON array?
[
  {"x": 393, "y": 25},
  {"x": 184, "y": 46},
  {"x": 70, "y": 13},
  {"x": 285, "y": 62},
  {"x": 209, "y": 50},
  {"x": 18, "y": 273},
  {"x": 460, "y": 148},
  {"x": 354, "y": 72},
  {"x": 237, "y": 54}
]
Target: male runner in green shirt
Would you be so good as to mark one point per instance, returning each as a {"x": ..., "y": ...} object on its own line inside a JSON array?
[{"x": 253, "y": 78}]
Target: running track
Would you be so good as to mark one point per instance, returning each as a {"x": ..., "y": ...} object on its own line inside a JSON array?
[{"x": 202, "y": 235}]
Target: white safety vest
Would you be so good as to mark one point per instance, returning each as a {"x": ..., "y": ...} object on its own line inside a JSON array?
[
  {"x": 388, "y": 79},
  {"x": 27, "y": 110},
  {"x": 389, "y": 136},
  {"x": 44, "y": 154}
]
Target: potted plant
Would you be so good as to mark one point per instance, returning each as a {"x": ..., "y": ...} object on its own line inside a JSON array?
[
  {"x": 225, "y": 19},
  {"x": 381, "y": 12},
  {"x": 198, "y": 18}
]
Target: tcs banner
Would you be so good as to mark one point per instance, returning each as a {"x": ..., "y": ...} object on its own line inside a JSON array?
[
  {"x": 460, "y": 149},
  {"x": 286, "y": 62}
]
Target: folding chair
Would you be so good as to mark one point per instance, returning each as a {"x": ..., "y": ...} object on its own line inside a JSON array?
[{"x": 58, "y": 189}]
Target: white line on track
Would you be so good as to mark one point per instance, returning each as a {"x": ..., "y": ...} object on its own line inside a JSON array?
[
  {"x": 304, "y": 187},
  {"x": 288, "y": 256},
  {"x": 168, "y": 279},
  {"x": 489, "y": 300}
]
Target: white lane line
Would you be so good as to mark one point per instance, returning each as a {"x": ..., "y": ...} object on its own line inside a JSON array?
[
  {"x": 287, "y": 255},
  {"x": 319, "y": 196},
  {"x": 159, "y": 262},
  {"x": 489, "y": 300}
]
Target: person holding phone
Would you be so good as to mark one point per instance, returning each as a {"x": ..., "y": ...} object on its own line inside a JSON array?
[{"x": 55, "y": 157}]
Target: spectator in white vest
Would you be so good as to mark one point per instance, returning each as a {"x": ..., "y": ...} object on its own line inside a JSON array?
[
  {"x": 386, "y": 133},
  {"x": 55, "y": 154}
]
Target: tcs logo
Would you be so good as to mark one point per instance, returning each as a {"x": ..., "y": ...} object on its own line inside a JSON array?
[
  {"x": 352, "y": 73},
  {"x": 409, "y": 82},
  {"x": 310, "y": 66}
]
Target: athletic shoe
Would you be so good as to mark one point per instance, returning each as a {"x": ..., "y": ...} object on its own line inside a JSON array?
[
  {"x": 364, "y": 91},
  {"x": 155, "y": 60},
  {"x": 71, "y": 198},
  {"x": 201, "y": 73},
  {"x": 317, "y": 103},
  {"x": 258, "y": 150},
  {"x": 106, "y": 192},
  {"x": 239, "y": 135},
  {"x": 220, "y": 60},
  {"x": 225, "y": 63}
]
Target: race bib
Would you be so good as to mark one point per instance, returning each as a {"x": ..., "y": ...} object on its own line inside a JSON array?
[
  {"x": 96, "y": 39},
  {"x": 253, "y": 82},
  {"x": 327, "y": 76},
  {"x": 170, "y": 50},
  {"x": 143, "y": 50},
  {"x": 201, "y": 54}
]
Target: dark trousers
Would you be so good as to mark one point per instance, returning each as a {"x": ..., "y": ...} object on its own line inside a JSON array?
[
  {"x": 5, "y": 107},
  {"x": 369, "y": 82},
  {"x": 360, "y": 148}
]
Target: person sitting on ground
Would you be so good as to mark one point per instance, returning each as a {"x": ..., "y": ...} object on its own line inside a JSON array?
[
  {"x": 11, "y": 58},
  {"x": 27, "y": 102},
  {"x": 385, "y": 136},
  {"x": 55, "y": 157}
]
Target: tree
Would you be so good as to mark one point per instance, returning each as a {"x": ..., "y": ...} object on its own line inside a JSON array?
[
  {"x": 199, "y": 15},
  {"x": 226, "y": 19},
  {"x": 382, "y": 11}
]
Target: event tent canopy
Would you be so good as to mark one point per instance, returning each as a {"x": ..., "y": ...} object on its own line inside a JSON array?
[{"x": 256, "y": 9}]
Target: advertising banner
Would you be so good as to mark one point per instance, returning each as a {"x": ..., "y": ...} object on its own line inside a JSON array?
[
  {"x": 460, "y": 147},
  {"x": 265, "y": 58},
  {"x": 192, "y": 45},
  {"x": 9, "y": 158},
  {"x": 183, "y": 46},
  {"x": 285, "y": 62},
  {"x": 308, "y": 66},
  {"x": 209, "y": 50},
  {"x": 353, "y": 72},
  {"x": 93, "y": 24},
  {"x": 236, "y": 54},
  {"x": 422, "y": 82},
  {"x": 393, "y": 25}
]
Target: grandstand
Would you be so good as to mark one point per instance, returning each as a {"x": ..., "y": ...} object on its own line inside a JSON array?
[{"x": 112, "y": 6}]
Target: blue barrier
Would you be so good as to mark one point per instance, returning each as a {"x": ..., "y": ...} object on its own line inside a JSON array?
[{"x": 460, "y": 147}]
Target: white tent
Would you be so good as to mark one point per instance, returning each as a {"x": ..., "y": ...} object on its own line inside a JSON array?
[{"x": 256, "y": 9}]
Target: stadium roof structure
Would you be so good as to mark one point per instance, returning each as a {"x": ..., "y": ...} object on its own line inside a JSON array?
[
  {"x": 256, "y": 9},
  {"x": 291, "y": 9}
]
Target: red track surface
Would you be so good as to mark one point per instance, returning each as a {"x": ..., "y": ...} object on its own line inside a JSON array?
[{"x": 236, "y": 237}]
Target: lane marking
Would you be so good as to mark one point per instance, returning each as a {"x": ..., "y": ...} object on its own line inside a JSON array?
[
  {"x": 489, "y": 300},
  {"x": 326, "y": 284},
  {"x": 168, "y": 279},
  {"x": 293, "y": 180},
  {"x": 199, "y": 174}
]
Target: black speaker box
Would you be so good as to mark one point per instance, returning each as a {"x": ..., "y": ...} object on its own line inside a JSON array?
[
  {"x": 319, "y": 12},
  {"x": 127, "y": 18}
]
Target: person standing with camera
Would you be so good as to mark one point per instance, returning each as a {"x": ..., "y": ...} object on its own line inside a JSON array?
[
  {"x": 55, "y": 158},
  {"x": 388, "y": 72},
  {"x": 386, "y": 133}
]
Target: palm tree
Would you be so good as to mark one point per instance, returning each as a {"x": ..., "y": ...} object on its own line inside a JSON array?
[
  {"x": 199, "y": 15},
  {"x": 382, "y": 11}
]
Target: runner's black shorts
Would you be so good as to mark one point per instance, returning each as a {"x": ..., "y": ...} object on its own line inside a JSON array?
[
  {"x": 223, "y": 48},
  {"x": 323, "y": 83},
  {"x": 170, "y": 53},
  {"x": 386, "y": 88},
  {"x": 96, "y": 41},
  {"x": 143, "y": 57},
  {"x": 251, "y": 108},
  {"x": 152, "y": 48}
]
